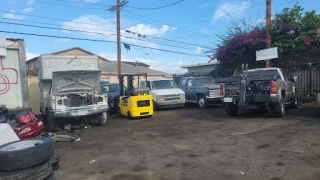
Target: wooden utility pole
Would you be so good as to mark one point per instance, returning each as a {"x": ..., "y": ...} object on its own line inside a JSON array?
[
  {"x": 118, "y": 37},
  {"x": 268, "y": 27}
]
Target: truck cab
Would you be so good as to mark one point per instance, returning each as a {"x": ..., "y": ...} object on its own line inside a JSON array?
[
  {"x": 165, "y": 93},
  {"x": 201, "y": 90}
]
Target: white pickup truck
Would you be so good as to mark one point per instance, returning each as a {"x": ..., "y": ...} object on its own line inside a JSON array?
[{"x": 165, "y": 93}]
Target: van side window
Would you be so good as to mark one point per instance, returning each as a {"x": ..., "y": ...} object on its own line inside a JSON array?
[{"x": 183, "y": 82}]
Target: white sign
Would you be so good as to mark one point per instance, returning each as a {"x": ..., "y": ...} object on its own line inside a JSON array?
[
  {"x": 267, "y": 54},
  {"x": 3, "y": 49}
]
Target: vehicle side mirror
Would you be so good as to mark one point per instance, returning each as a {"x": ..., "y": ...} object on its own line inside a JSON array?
[
  {"x": 189, "y": 84},
  {"x": 295, "y": 78}
]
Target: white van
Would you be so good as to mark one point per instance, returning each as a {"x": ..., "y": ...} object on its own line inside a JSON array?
[{"x": 165, "y": 93}]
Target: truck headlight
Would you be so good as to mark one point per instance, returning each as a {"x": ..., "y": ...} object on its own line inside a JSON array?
[
  {"x": 160, "y": 98},
  {"x": 59, "y": 102}
]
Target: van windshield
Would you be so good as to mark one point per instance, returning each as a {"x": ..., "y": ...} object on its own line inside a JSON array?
[{"x": 163, "y": 84}]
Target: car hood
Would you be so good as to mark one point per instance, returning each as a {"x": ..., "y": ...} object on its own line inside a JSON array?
[
  {"x": 66, "y": 82},
  {"x": 167, "y": 91}
]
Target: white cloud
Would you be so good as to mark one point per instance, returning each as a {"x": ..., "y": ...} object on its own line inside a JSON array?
[
  {"x": 174, "y": 28},
  {"x": 13, "y": 16},
  {"x": 92, "y": 24},
  {"x": 28, "y": 10},
  {"x": 29, "y": 2},
  {"x": 148, "y": 30},
  {"x": 31, "y": 55},
  {"x": 198, "y": 50},
  {"x": 234, "y": 9}
]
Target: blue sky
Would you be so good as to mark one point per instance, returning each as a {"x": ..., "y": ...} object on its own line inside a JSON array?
[{"x": 194, "y": 23}]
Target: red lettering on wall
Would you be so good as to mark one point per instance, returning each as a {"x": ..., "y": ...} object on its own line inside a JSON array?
[{"x": 5, "y": 81}]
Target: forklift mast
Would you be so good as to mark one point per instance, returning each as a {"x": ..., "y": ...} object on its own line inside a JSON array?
[{"x": 130, "y": 80}]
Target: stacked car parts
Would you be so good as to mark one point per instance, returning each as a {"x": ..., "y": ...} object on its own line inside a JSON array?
[{"x": 27, "y": 159}]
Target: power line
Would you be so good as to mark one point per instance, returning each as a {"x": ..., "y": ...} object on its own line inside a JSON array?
[
  {"x": 64, "y": 29},
  {"x": 56, "y": 19},
  {"x": 45, "y": 2},
  {"x": 164, "y": 23},
  {"x": 98, "y": 40},
  {"x": 156, "y": 7},
  {"x": 97, "y": 25}
]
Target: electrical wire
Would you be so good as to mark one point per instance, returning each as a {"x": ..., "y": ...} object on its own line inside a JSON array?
[
  {"x": 97, "y": 25},
  {"x": 98, "y": 40},
  {"x": 155, "y": 7},
  {"x": 72, "y": 30}
]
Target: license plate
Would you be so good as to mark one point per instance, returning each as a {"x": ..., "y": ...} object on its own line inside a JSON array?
[
  {"x": 80, "y": 113},
  {"x": 228, "y": 99}
]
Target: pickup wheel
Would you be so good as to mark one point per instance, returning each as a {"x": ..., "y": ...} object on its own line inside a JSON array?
[
  {"x": 279, "y": 109},
  {"x": 232, "y": 110},
  {"x": 102, "y": 120},
  {"x": 202, "y": 101}
]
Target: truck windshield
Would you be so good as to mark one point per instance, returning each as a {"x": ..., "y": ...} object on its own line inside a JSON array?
[
  {"x": 204, "y": 81},
  {"x": 163, "y": 84},
  {"x": 110, "y": 88}
]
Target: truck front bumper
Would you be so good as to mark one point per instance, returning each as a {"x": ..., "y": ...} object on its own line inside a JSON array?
[
  {"x": 81, "y": 111},
  {"x": 171, "y": 104}
]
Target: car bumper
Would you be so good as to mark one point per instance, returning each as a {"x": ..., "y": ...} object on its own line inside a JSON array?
[
  {"x": 81, "y": 111},
  {"x": 214, "y": 100},
  {"x": 261, "y": 99},
  {"x": 171, "y": 104}
]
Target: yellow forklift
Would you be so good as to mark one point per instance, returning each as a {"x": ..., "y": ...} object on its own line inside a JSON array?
[{"x": 134, "y": 102}]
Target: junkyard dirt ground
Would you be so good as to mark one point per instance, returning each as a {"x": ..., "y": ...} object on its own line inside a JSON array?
[{"x": 192, "y": 143}]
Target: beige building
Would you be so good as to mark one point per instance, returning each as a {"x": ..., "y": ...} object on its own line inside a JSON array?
[
  {"x": 108, "y": 73},
  {"x": 201, "y": 68}
]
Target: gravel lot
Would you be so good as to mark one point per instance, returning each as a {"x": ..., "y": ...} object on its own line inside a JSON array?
[{"x": 192, "y": 143}]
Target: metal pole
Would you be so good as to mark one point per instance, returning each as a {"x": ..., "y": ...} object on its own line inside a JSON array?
[
  {"x": 268, "y": 27},
  {"x": 118, "y": 38}
]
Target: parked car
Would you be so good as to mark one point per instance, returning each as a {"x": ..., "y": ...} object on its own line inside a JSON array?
[
  {"x": 260, "y": 90},
  {"x": 112, "y": 91},
  {"x": 165, "y": 93},
  {"x": 201, "y": 90}
]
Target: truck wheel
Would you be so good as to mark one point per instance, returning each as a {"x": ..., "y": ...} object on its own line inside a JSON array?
[
  {"x": 41, "y": 171},
  {"x": 232, "y": 110},
  {"x": 154, "y": 106},
  {"x": 129, "y": 115},
  {"x": 202, "y": 102},
  {"x": 25, "y": 153},
  {"x": 279, "y": 109},
  {"x": 50, "y": 122},
  {"x": 102, "y": 119}
]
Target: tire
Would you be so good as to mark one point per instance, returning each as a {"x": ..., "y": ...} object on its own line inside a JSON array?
[
  {"x": 129, "y": 116},
  {"x": 202, "y": 102},
  {"x": 55, "y": 163},
  {"x": 38, "y": 172},
  {"x": 279, "y": 109},
  {"x": 102, "y": 119},
  {"x": 295, "y": 104},
  {"x": 51, "y": 177},
  {"x": 50, "y": 122},
  {"x": 155, "y": 108},
  {"x": 40, "y": 150},
  {"x": 232, "y": 110}
]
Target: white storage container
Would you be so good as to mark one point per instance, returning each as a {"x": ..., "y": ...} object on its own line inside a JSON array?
[{"x": 7, "y": 134}]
